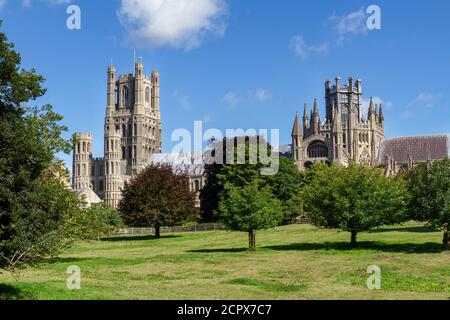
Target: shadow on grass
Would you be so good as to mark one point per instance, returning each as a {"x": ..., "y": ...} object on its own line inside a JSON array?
[
  {"x": 8, "y": 292},
  {"x": 429, "y": 247},
  {"x": 219, "y": 250},
  {"x": 418, "y": 229},
  {"x": 137, "y": 238},
  {"x": 67, "y": 260}
]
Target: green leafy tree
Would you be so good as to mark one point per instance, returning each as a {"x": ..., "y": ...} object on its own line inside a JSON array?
[
  {"x": 430, "y": 196},
  {"x": 249, "y": 208},
  {"x": 157, "y": 197},
  {"x": 96, "y": 221},
  {"x": 285, "y": 184},
  {"x": 353, "y": 199},
  {"x": 34, "y": 207}
]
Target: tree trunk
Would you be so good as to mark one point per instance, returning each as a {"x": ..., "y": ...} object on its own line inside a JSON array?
[
  {"x": 251, "y": 241},
  {"x": 157, "y": 231},
  {"x": 445, "y": 239},
  {"x": 353, "y": 240}
]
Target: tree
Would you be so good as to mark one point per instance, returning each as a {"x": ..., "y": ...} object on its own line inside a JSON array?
[
  {"x": 430, "y": 196},
  {"x": 249, "y": 208},
  {"x": 96, "y": 221},
  {"x": 34, "y": 207},
  {"x": 157, "y": 197},
  {"x": 285, "y": 184},
  {"x": 353, "y": 199}
]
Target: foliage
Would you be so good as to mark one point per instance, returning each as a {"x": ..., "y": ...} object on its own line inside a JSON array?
[
  {"x": 96, "y": 221},
  {"x": 39, "y": 225},
  {"x": 353, "y": 199},
  {"x": 430, "y": 195},
  {"x": 249, "y": 208},
  {"x": 33, "y": 205},
  {"x": 285, "y": 184},
  {"x": 157, "y": 197}
]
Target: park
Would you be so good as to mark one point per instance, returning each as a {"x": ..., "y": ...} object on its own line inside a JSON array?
[{"x": 291, "y": 262}]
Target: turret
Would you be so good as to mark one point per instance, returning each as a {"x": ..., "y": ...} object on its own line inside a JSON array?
[
  {"x": 82, "y": 160},
  {"x": 111, "y": 91},
  {"x": 305, "y": 117},
  {"x": 155, "y": 91},
  {"x": 381, "y": 115},
  {"x": 139, "y": 88},
  {"x": 370, "y": 114},
  {"x": 297, "y": 138},
  {"x": 297, "y": 131},
  {"x": 315, "y": 119}
]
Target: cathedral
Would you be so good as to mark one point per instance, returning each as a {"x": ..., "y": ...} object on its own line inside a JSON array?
[
  {"x": 132, "y": 133},
  {"x": 133, "y": 138},
  {"x": 344, "y": 134}
]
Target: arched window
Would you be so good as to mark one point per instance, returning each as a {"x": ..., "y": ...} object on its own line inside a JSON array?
[
  {"x": 147, "y": 95},
  {"x": 124, "y": 96},
  {"x": 197, "y": 185},
  {"x": 317, "y": 150}
]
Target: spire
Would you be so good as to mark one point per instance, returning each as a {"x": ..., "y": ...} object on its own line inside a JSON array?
[
  {"x": 296, "y": 131},
  {"x": 370, "y": 108},
  {"x": 316, "y": 110},
  {"x": 380, "y": 115},
  {"x": 305, "y": 112}
]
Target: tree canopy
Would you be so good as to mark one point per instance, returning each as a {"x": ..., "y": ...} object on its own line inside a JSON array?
[
  {"x": 353, "y": 199},
  {"x": 430, "y": 195},
  {"x": 157, "y": 197}
]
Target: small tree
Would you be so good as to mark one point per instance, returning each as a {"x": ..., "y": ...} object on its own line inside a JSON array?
[
  {"x": 430, "y": 196},
  {"x": 157, "y": 197},
  {"x": 249, "y": 208},
  {"x": 353, "y": 199}
]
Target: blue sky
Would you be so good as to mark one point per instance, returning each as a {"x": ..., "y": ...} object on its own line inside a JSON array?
[{"x": 239, "y": 64}]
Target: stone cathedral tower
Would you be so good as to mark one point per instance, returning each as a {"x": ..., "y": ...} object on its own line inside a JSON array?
[
  {"x": 132, "y": 133},
  {"x": 345, "y": 134}
]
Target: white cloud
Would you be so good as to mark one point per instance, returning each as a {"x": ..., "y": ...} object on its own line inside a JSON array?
[
  {"x": 302, "y": 50},
  {"x": 176, "y": 23},
  {"x": 261, "y": 95},
  {"x": 231, "y": 100},
  {"x": 423, "y": 100},
  {"x": 352, "y": 23}
]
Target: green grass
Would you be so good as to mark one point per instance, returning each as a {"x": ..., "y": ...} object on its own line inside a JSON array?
[{"x": 292, "y": 262}]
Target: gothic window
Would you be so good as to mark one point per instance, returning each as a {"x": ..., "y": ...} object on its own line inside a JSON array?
[
  {"x": 130, "y": 128},
  {"x": 197, "y": 185},
  {"x": 124, "y": 96},
  {"x": 124, "y": 130},
  {"x": 147, "y": 95},
  {"x": 135, "y": 152},
  {"x": 317, "y": 150},
  {"x": 123, "y": 153},
  {"x": 84, "y": 146},
  {"x": 129, "y": 153},
  {"x": 135, "y": 129}
]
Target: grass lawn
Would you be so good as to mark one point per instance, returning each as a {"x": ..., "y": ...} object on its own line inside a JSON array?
[{"x": 292, "y": 262}]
